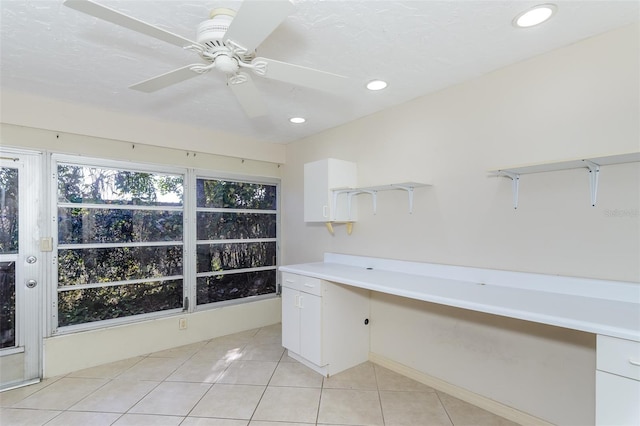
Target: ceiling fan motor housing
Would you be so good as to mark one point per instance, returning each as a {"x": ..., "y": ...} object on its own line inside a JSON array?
[
  {"x": 211, "y": 34},
  {"x": 214, "y": 28}
]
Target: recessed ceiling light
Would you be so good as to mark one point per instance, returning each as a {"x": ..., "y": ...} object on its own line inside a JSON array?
[
  {"x": 297, "y": 120},
  {"x": 376, "y": 85},
  {"x": 534, "y": 16}
]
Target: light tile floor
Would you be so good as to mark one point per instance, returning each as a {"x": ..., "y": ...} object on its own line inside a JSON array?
[{"x": 244, "y": 379}]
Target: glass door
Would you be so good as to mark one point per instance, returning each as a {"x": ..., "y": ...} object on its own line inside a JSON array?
[{"x": 20, "y": 269}]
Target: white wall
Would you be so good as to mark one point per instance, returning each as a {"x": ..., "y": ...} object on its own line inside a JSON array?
[
  {"x": 72, "y": 352},
  {"x": 576, "y": 102},
  {"x": 59, "y": 116}
]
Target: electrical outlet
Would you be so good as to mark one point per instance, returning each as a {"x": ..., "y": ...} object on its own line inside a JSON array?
[{"x": 182, "y": 324}]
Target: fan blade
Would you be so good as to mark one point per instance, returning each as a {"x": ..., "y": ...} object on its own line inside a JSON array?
[
  {"x": 299, "y": 75},
  {"x": 255, "y": 20},
  {"x": 248, "y": 96},
  {"x": 115, "y": 17},
  {"x": 165, "y": 80}
]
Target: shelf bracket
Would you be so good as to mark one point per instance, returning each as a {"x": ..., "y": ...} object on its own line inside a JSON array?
[
  {"x": 594, "y": 172},
  {"x": 337, "y": 192},
  {"x": 515, "y": 184},
  {"x": 374, "y": 198},
  {"x": 409, "y": 190}
]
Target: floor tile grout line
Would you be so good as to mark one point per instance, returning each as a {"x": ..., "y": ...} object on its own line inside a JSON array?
[
  {"x": 375, "y": 375},
  {"x": 266, "y": 386},
  {"x": 444, "y": 407},
  {"x": 112, "y": 378}
]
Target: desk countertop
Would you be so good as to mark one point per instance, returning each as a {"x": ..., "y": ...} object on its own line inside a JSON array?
[{"x": 591, "y": 314}]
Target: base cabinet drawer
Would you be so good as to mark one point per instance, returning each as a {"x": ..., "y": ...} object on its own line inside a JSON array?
[
  {"x": 617, "y": 382},
  {"x": 618, "y": 356},
  {"x": 301, "y": 283}
]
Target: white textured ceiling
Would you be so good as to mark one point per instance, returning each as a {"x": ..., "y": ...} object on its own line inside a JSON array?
[{"x": 417, "y": 46}]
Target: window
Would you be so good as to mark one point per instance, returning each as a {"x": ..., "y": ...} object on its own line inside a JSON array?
[
  {"x": 236, "y": 239},
  {"x": 119, "y": 243},
  {"x": 9, "y": 253},
  {"x": 136, "y": 241}
]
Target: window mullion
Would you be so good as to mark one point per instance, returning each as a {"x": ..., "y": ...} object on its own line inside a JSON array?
[{"x": 189, "y": 235}]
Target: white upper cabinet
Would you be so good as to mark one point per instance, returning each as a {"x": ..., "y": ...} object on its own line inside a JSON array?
[{"x": 320, "y": 178}]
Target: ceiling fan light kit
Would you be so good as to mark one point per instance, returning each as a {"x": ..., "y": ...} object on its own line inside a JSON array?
[{"x": 227, "y": 41}]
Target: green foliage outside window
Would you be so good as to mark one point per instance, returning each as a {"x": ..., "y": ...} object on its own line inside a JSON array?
[
  {"x": 157, "y": 219},
  {"x": 120, "y": 242},
  {"x": 253, "y": 218},
  {"x": 8, "y": 210},
  {"x": 8, "y": 245}
]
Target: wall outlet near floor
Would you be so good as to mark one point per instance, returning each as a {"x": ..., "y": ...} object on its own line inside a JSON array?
[{"x": 182, "y": 324}]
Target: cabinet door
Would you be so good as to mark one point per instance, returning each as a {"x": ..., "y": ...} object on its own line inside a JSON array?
[
  {"x": 316, "y": 190},
  {"x": 320, "y": 177},
  {"x": 290, "y": 320},
  {"x": 311, "y": 328},
  {"x": 617, "y": 400}
]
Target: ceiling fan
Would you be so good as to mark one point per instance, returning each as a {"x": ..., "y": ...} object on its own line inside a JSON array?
[{"x": 226, "y": 42}]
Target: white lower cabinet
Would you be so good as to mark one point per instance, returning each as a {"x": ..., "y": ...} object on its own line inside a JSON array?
[
  {"x": 324, "y": 325},
  {"x": 617, "y": 382}
]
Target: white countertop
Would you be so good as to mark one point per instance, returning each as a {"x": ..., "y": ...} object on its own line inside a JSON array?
[{"x": 599, "y": 315}]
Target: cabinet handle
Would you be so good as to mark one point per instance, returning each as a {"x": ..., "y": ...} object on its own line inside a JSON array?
[
  {"x": 309, "y": 285},
  {"x": 632, "y": 362},
  {"x": 300, "y": 302},
  {"x": 296, "y": 301},
  {"x": 289, "y": 281},
  {"x": 325, "y": 211}
]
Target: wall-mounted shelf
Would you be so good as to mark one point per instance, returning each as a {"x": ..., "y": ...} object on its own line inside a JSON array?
[
  {"x": 373, "y": 191},
  {"x": 591, "y": 164}
]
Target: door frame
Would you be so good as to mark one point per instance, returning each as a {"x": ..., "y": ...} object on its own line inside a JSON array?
[{"x": 30, "y": 306}]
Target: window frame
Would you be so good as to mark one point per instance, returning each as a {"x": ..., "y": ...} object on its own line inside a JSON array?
[
  {"x": 235, "y": 177},
  {"x": 189, "y": 238}
]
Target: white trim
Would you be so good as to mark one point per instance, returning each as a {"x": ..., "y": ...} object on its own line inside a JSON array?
[
  {"x": 483, "y": 402},
  {"x": 235, "y": 271},
  {"x": 119, "y": 283},
  {"x": 113, "y": 322},
  {"x": 21, "y": 384},
  {"x": 11, "y": 350},
  {"x": 28, "y": 319},
  {"x": 213, "y": 175},
  {"x": 224, "y": 210},
  {"x": 67, "y": 205},
  {"x": 117, "y": 245},
  {"x": 189, "y": 289},
  {"x": 233, "y": 302},
  {"x": 237, "y": 241},
  {"x": 75, "y": 160}
]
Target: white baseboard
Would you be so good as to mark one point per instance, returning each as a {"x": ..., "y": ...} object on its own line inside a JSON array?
[{"x": 458, "y": 392}]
